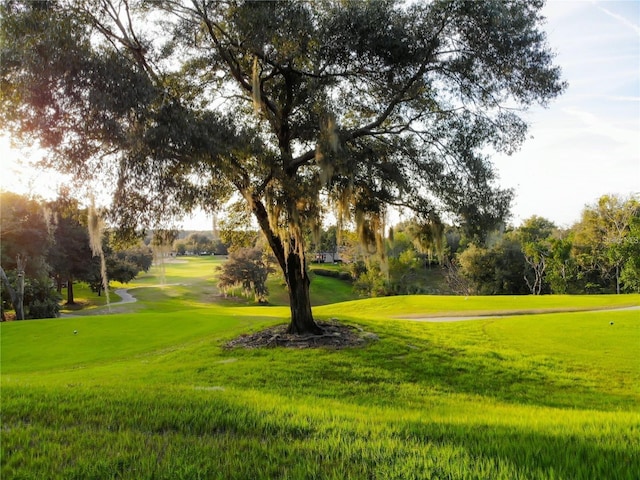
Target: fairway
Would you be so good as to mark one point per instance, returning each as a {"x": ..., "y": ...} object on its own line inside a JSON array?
[{"x": 547, "y": 388}]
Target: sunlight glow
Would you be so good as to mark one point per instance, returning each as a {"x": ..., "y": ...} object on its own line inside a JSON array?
[{"x": 19, "y": 174}]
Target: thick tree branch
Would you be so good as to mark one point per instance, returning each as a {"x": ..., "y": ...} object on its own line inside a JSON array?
[
  {"x": 260, "y": 213},
  {"x": 370, "y": 128}
]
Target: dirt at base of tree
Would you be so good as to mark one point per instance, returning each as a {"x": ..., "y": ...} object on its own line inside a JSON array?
[{"x": 336, "y": 335}]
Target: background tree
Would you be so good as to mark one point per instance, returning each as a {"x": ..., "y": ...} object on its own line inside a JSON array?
[
  {"x": 219, "y": 247},
  {"x": 71, "y": 258},
  {"x": 25, "y": 239},
  {"x": 123, "y": 264},
  {"x": 510, "y": 266},
  {"x": 630, "y": 275},
  {"x": 562, "y": 270},
  {"x": 40, "y": 298},
  {"x": 494, "y": 270},
  {"x": 139, "y": 255},
  {"x": 603, "y": 236},
  {"x": 535, "y": 238},
  {"x": 199, "y": 243},
  {"x": 180, "y": 247},
  {"x": 248, "y": 269},
  {"x": 374, "y": 104},
  {"x": 477, "y": 265}
]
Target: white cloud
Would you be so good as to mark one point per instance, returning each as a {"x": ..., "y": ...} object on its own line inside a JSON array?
[{"x": 621, "y": 19}]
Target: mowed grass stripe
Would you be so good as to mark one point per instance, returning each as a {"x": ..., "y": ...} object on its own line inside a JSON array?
[{"x": 415, "y": 306}]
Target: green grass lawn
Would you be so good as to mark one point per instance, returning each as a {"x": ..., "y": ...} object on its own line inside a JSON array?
[{"x": 153, "y": 392}]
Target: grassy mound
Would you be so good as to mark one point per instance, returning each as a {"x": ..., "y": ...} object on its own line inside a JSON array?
[{"x": 156, "y": 394}]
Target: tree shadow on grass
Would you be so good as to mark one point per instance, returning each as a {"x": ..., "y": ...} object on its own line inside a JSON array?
[
  {"x": 533, "y": 454},
  {"x": 143, "y": 436},
  {"x": 511, "y": 378},
  {"x": 399, "y": 360}
]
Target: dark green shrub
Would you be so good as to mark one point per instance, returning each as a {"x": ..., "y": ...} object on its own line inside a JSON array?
[{"x": 41, "y": 300}]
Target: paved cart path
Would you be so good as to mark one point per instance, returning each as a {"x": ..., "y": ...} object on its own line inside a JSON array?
[
  {"x": 488, "y": 316},
  {"x": 125, "y": 296}
]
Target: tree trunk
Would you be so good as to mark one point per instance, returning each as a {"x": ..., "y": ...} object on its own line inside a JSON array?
[
  {"x": 17, "y": 305},
  {"x": 70, "y": 300},
  {"x": 298, "y": 282},
  {"x": 293, "y": 267},
  {"x": 21, "y": 262}
]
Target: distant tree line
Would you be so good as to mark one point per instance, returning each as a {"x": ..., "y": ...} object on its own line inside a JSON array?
[
  {"x": 199, "y": 243},
  {"x": 598, "y": 254},
  {"x": 46, "y": 248}
]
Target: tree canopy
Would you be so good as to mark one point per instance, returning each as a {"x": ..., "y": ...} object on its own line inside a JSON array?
[{"x": 291, "y": 106}]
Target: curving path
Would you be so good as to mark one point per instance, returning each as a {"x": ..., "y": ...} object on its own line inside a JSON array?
[
  {"x": 125, "y": 296},
  {"x": 512, "y": 314}
]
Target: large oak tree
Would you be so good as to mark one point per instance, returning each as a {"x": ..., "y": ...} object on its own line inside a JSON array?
[{"x": 289, "y": 105}]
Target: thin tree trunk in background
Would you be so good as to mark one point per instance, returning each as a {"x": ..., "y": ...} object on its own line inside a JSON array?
[
  {"x": 70, "y": 300},
  {"x": 21, "y": 263},
  {"x": 19, "y": 303},
  {"x": 14, "y": 296}
]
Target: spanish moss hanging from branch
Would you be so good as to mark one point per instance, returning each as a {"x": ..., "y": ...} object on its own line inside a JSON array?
[{"x": 96, "y": 235}]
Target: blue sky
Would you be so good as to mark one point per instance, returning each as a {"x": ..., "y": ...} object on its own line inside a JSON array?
[{"x": 585, "y": 144}]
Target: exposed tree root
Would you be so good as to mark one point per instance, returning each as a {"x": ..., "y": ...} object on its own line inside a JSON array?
[{"x": 336, "y": 335}]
